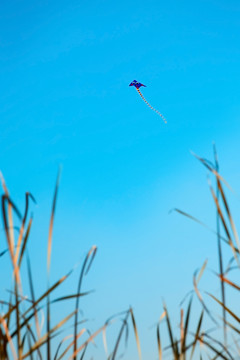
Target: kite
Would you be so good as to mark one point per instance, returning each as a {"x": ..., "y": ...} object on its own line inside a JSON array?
[{"x": 137, "y": 86}]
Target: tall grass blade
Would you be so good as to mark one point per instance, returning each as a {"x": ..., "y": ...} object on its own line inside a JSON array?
[
  {"x": 60, "y": 344},
  {"x": 119, "y": 336},
  {"x": 201, "y": 271},
  {"x": 233, "y": 327},
  {"x": 204, "y": 225},
  {"x": 197, "y": 334},
  {"x": 51, "y": 221},
  {"x": 44, "y": 295},
  {"x": 173, "y": 343},
  {"x": 20, "y": 237},
  {"x": 201, "y": 299},
  {"x": 81, "y": 332},
  {"x": 224, "y": 225},
  {"x": 31, "y": 334},
  {"x": 224, "y": 348},
  {"x": 185, "y": 329},
  {"x": 25, "y": 242},
  {"x": 18, "y": 323},
  {"x": 220, "y": 258},
  {"x": 181, "y": 333},
  {"x": 74, "y": 296},
  {"x": 216, "y": 351},
  {"x": 105, "y": 341},
  {"x": 48, "y": 328},
  {"x": 159, "y": 343},
  {"x": 87, "y": 342},
  {"x": 225, "y": 307},
  {"x": 33, "y": 297},
  {"x": 88, "y": 259},
  {"x": 44, "y": 338},
  {"x": 210, "y": 167},
  {"x": 234, "y": 230},
  {"x": 83, "y": 353},
  {"x": 136, "y": 334},
  {"x": 9, "y": 237}
]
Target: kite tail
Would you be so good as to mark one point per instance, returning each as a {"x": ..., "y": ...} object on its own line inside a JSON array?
[{"x": 151, "y": 105}]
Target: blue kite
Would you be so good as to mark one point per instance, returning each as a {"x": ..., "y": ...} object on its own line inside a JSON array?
[{"x": 137, "y": 86}]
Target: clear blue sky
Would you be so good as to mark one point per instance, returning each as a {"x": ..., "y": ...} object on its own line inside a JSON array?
[{"x": 65, "y": 67}]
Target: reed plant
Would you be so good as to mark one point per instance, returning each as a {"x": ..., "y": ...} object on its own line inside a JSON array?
[
  {"x": 24, "y": 336},
  {"x": 218, "y": 336}
]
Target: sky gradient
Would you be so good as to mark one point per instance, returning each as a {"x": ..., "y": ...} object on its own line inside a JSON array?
[{"x": 65, "y": 67}]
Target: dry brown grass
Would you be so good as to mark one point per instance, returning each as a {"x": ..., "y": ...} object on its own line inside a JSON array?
[{"x": 22, "y": 336}]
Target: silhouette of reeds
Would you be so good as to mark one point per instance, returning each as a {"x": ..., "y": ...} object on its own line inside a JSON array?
[{"x": 22, "y": 335}]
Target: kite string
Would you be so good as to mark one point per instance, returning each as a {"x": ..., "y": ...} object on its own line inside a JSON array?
[{"x": 151, "y": 105}]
